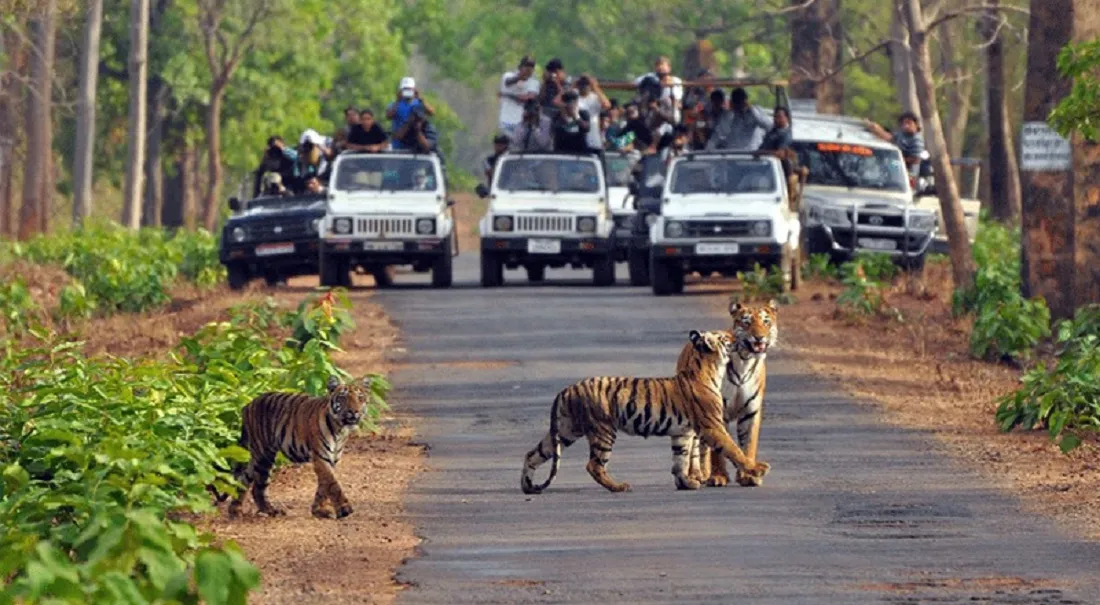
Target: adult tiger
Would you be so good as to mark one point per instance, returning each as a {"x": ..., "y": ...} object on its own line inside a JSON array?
[
  {"x": 681, "y": 407},
  {"x": 755, "y": 329},
  {"x": 304, "y": 429}
]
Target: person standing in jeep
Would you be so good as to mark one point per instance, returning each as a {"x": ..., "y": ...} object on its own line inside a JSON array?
[
  {"x": 516, "y": 88},
  {"x": 907, "y": 137},
  {"x": 571, "y": 126},
  {"x": 534, "y": 132}
]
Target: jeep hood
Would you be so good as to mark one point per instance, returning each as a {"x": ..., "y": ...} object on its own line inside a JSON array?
[
  {"x": 843, "y": 196},
  {"x": 290, "y": 207},
  {"x": 739, "y": 206},
  {"x": 384, "y": 202},
  {"x": 533, "y": 201}
]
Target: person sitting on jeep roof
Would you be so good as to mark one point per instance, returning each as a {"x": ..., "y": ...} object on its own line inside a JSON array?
[
  {"x": 571, "y": 125},
  {"x": 741, "y": 128},
  {"x": 553, "y": 85},
  {"x": 399, "y": 112},
  {"x": 907, "y": 137},
  {"x": 273, "y": 185},
  {"x": 617, "y": 137},
  {"x": 367, "y": 135},
  {"x": 534, "y": 132},
  {"x": 314, "y": 156},
  {"x": 500, "y": 145},
  {"x": 516, "y": 88},
  {"x": 778, "y": 142},
  {"x": 636, "y": 124},
  {"x": 340, "y": 137},
  {"x": 592, "y": 99},
  {"x": 277, "y": 158}
]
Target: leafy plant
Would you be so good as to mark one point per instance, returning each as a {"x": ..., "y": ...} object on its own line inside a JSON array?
[
  {"x": 862, "y": 295},
  {"x": 761, "y": 285},
  {"x": 17, "y": 306},
  {"x": 74, "y": 302},
  {"x": 878, "y": 267},
  {"x": 1065, "y": 398},
  {"x": 819, "y": 266}
]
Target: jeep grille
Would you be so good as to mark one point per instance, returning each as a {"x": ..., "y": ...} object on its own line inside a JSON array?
[
  {"x": 389, "y": 226},
  {"x": 702, "y": 229},
  {"x": 277, "y": 229},
  {"x": 533, "y": 223}
]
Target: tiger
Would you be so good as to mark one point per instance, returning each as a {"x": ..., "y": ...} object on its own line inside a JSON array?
[
  {"x": 681, "y": 407},
  {"x": 755, "y": 330},
  {"x": 304, "y": 428}
]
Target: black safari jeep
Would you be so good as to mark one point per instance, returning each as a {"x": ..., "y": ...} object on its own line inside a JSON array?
[{"x": 273, "y": 237}]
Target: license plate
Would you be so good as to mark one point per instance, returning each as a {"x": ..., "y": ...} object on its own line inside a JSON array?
[
  {"x": 384, "y": 246},
  {"x": 717, "y": 248},
  {"x": 878, "y": 244},
  {"x": 273, "y": 249},
  {"x": 544, "y": 246}
]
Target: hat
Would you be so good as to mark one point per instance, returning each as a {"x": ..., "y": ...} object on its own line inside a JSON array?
[{"x": 407, "y": 87}]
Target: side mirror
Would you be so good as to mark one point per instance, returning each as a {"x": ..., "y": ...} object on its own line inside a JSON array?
[
  {"x": 481, "y": 190},
  {"x": 234, "y": 204}
]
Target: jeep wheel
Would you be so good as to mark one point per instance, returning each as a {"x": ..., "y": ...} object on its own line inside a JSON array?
[
  {"x": 637, "y": 262},
  {"x": 492, "y": 270},
  {"x": 383, "y": 276},
  {"x": 238, "y": 275},
  {"x": 443, "y": 267},
  {"x": 536, "y": 273},
  {"x": 603, "y": 271},
  {"x": 666, "y": 277}
]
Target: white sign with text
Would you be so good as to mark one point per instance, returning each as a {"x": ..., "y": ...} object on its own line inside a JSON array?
[{"x": 1042, "y": 149}]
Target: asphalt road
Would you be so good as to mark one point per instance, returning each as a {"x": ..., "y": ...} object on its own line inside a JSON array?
[{"x": 853, "y": 511}]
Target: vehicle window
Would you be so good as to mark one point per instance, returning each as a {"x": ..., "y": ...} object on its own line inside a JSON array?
[
  {"x": 847, "y": 165},
  {"x": 723, "y": 175},
  {"x": 385, "y": 174},
  {"x": 549, "y": 175},
  {"x": 619, "y": 169}
]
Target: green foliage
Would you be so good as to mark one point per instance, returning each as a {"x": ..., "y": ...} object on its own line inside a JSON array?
[
  {"x": 101, "y": 455},
  {"x": 1006, "y": 325},
  {"x": 819, "y": 267},
  {"x": 862, "y": 296},
  {"x": 877, "y": 267},
  {"x": 1077, "y": 112},
  {"x": 1065, "y": 398},
  {"x": 761, "y": 285},
  {"x": 75, "y": 303},
  {"x": 17, "y": 306}
]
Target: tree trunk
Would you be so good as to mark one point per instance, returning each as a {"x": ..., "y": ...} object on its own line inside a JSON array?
[
  {"x": 12, "y": 48},
  {"x": 189, "y": 175},
  {"x": 959, "y": 88},
  {"x": 135, "y": 159},
  {"x": 1004, "y": 172},
  {"x": 901, "y": 60},
  {"x": 214, "y": 157},
  {"x": 154, "y": 170},
  {"x": 815, "y": 51},
  {"x": 83, "y": 173},
  {"x": 37, "y": 177},
  {"x": 950, "y": 206}
]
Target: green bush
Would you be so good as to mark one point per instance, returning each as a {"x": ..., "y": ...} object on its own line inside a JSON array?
[
  {"x": 862, "y": 295},
  {"x": 819, "y": 266},
  {"x": 760, "y": 284},
  {"x": 1066, "y": 396},
  {"x": 102, "y": 455},
  {"x": 17, "y": 306},
  {"x": 877, "y": 266},
  {"x": 1006, "y": 325}
]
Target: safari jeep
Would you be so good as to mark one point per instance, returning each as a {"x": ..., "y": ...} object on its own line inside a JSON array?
[
  {"x": 722, "y": 212},
  {"x": 387, "y": 209},
  {"x": 546, "y": 210},
  {"x": 857, "y": 195},
  {"x": 271, "y": 236}
]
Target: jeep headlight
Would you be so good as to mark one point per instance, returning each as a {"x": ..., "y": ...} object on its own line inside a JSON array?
[
  {"x": 830, "y": 215},
  {"x": 674, "y": 229},
  {"x": 586, "y": 224},
  {"x": 502, "y": 223},
  {"x": 762, "y": 228},
  {"x": 425, "y": 226},
  {"x": 314, "y": 226},
  {"x": 341, "y": 226},
  {"x": 239, "y": 234},
  {"x": 922, "y": 221}
]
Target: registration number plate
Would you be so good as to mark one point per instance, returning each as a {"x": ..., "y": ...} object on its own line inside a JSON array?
[
  {"x": 384, "y": 246},
  {"x": 717, "y": 248},
  {"x": 544, "y": 246},
  {"x": 878, "y": 244},
  {"x": 273, "y": 249}
]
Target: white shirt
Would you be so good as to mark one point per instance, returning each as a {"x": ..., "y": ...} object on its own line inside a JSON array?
[
  {"x": 511, "y": 111},
  {"x": 676, "y": 90},
  {"x": 591, "y": 104}
]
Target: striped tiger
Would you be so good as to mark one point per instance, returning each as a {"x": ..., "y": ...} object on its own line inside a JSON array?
[
  {"x": 755, "y": 329},
  {"x": 681, "y": 407},
  {"x": 304, "y": 428}
]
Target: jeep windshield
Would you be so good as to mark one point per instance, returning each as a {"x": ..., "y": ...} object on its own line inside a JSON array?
[
  {"x": 385, "y": 174},
  {"x": 725, "y": 176},
  {"x": 549, "y": 175},
  {"x": 854, "y": 166}
]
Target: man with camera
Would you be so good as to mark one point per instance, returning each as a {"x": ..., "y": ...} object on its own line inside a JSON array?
[
  {"x": 534, "y": 132},
  {"x": 417, "y": 134},
  {"x": 516, "y": 88},
  {"x": 670, "y": 93},
  {"x": 278, "y": 159},
  {"x": 571, "y": 126},
  {"x": 399, "y": 112}
]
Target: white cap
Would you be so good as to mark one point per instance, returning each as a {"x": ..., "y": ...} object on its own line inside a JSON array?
[
  {"x": 312, "y": 136},
  {"x": 407, "y": 82}
]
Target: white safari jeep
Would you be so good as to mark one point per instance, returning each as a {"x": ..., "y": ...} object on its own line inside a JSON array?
[
  {"x": 546, "y": 209},
  {"x": 723, "y": 212},
  {"x": 387, "y": 209}
]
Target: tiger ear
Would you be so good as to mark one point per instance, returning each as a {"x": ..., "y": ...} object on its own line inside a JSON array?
[
  {"x": 735, "y": 308},
  {"x": 333, "y": 382},
  {"x": 699, "y": 341}
]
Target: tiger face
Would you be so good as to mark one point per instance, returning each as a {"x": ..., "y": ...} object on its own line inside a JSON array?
[
  {"x": 347, "y": 402},
  {"x": 715, "y": 343},
  {"x": 755, "y": 328}
]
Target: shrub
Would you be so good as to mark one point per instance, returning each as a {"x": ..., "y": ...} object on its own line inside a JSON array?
[
  {"x": 760, "y": 284},
  {"x": 877, "y": 266},
  {"x": 819, "y": 266},
  {"x": 1066, "y": 396}
]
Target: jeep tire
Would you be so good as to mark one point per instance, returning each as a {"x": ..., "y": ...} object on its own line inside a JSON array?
[
  {"x": 637, "y": 263},
  {"x": 237, "y": 274},
  {"x": 492, "y": 270},
  {"x": 603, "y": 271},
  {"x": 443, "y": 267},
  {"x": 666, "y": 277},
  {"x": 536, "y": 273},
  {"x": 383, "y": 276},
  {"x": 335, "y": 272}
]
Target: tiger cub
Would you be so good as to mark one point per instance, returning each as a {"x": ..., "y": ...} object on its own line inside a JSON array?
[
  {"x": 755, "y": 329},
  {"x": 680, "y": 407},
  {"x": 304, "y": 429}
]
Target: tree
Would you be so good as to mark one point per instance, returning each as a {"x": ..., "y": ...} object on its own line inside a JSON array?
[
  {"x": 37, "y": 174},
  {"x": 816, "y": 38},
  {"x": 950, "y": 205},
  {"x": 12, "y": 48},
  {"x": 1004, "y": 173},
  {"x": 85, "y": 114},
  {"x": 901, "y": 59},
  {"x": 228, "y": 29},
  {"x": 135, "y": 159}
]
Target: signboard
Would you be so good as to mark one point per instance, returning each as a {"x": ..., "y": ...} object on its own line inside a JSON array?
[
  {"x": 1044, "y": 150},
  {"x": 803, "y": 105}
]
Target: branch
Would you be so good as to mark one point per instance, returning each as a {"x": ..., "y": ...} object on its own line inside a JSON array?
[
  {"x": 244, "y": 41},
  {"x": 974, "y": 9},
  {"x": 856, "y": 58},
  {"x": 723, "y": 26}
]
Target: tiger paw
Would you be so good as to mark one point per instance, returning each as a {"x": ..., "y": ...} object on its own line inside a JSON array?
[
  {"x": 718, "y": 481},
  {"x": 687, "y": 483},
  {"x": 343, "y": 511},
  {"x": 323, "y": 512},
  {"x": 272, "y": 511},
  {"x": 620, "y": 487}
]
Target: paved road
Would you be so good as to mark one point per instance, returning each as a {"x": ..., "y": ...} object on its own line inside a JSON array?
[{"x": 852, "y": 512}]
